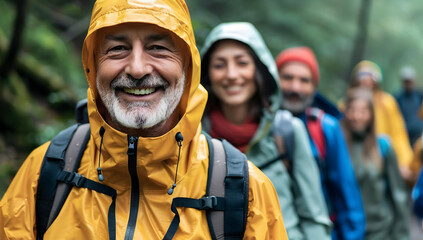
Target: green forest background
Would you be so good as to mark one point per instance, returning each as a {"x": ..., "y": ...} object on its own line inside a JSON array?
[{"x": 41, "y": 76}]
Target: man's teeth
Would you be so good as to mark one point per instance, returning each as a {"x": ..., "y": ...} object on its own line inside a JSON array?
[{"x": 144, "y": 91}]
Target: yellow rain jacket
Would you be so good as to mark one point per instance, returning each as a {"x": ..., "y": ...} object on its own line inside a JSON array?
[
  {"x": 85, "y": 213},
  {"x": 389, "y": 121}
]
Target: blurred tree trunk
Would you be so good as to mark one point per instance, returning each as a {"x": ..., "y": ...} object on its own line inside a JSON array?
[
  {"x": 361, "y": 37},
  {"x": 15, "y": 43}
]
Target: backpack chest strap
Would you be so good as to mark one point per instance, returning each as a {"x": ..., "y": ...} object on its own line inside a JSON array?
[
  {"x": 78, "y": 180},
  {"x": 204, "y": 203}
]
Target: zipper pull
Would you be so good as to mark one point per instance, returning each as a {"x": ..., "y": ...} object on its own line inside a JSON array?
[{"x": 131, "y": 145}]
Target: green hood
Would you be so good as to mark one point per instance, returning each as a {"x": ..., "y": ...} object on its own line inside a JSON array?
[{"x": 246, "y": 33}]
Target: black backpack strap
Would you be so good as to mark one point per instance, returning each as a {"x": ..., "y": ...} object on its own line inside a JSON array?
[
  {"x": 73, "y": 157},
  {"x": 231, "y": 187},
  {"x": 53, "y": 163},
  {"x": 236, "y": 192},
  {"x": 227, "y": 179}
]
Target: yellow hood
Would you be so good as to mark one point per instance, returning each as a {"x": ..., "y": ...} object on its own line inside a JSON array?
[{"x": 171, "y": 15}]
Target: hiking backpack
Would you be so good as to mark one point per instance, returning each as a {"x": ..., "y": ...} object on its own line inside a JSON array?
[
  {"x": 225, "y": 202},
  {"x": 283, "y": 132}
]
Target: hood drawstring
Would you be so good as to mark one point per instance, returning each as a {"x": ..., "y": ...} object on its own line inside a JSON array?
[
  {"x": 100, "y": 176},
  {"x": 179, "y": 138}
]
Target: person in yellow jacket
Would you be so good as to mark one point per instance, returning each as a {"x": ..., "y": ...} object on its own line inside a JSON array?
[
  {"x": 143, "y": 71},
  {"x": 388, "y": 118}
]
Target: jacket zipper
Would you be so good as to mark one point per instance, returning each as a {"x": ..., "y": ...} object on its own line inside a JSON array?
[{"x": 135, "y": 191}]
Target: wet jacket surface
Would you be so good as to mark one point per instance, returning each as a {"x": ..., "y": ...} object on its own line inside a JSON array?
[
  {"x": 383, "y": 192},
  {"x": 389, "y": 121},
  {"x": 85, "y": 213},
  {"x": 339, "y": 183},
  {"x": 300, "y": 196}
]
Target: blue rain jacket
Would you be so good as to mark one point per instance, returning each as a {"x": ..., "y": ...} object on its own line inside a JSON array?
[{"x": 339, "y": 183}]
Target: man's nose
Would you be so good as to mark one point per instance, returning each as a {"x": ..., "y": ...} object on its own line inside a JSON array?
[
  {"x": 296, "y": 85},
  {"x": 138, "y": 63}
]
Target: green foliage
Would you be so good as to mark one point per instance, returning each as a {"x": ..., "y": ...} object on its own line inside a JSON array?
[{"x": 37, "y": 98}]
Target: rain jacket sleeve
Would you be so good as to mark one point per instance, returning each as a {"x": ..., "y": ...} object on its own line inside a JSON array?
[
  {"x": 17, "y": 207},
  {"x": 309, "y": 202},
  {"x": 264, "y": 220},
  {"x": 397, "y": 193},
  {"x": 342, "y": 187},
  {"x": 389, "y": 121}
]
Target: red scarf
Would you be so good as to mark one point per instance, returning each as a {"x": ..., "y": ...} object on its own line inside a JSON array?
[{"x": 237, "y": 135}]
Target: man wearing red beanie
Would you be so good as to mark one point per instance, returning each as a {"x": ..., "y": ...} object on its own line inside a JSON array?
[{"x": 299, "y": 77}]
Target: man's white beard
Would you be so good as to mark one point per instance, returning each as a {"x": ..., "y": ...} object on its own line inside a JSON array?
[
  {"x": 141, "y": 115},
  {"x": 297, "y": 107}
]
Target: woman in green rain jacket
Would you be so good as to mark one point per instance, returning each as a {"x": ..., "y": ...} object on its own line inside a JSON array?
[{"x": 240, "y": 74}]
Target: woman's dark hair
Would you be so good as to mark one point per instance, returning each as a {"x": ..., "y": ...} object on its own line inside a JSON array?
[
  {"x": 264, "y": 81},
  {"x": 370, "y": 147}
]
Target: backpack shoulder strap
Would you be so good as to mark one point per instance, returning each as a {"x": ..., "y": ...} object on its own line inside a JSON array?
[
  {"x": 228, "y": 177},
  {"x": 72, "y": 160},
  {"x": 236, "y": 192},
  {"x": 215, "y": 187},
  {"x": 230, "y": 184},
  {"x": 283, "y": 133},
  {"x": 64, "y": 153}
]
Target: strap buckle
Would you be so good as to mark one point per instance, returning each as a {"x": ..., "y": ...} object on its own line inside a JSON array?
[
  {"x": 75, "y": 179},
  {"x": 209, "y": 202}
]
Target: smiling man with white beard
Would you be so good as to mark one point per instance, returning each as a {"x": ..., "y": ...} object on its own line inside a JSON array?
[{"x": 145, "y": 149}]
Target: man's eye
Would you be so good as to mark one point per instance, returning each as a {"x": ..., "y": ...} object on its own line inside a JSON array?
[
  {"x": 287, "y": 77},
  {"x": 305, "y": 80},
  {"x": 159, "y": 47},
  {"x": 116, "y": 49}
]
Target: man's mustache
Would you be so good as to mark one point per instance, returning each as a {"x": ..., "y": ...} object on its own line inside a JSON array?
[
  {"x": 292, "y": 94},
  {"x": 147, "y": 81}
]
